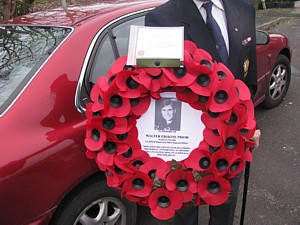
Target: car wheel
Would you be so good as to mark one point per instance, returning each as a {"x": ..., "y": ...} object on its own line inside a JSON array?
[
  {"x": 279, "y": 82},
  {"x": 96, "y": 204}
]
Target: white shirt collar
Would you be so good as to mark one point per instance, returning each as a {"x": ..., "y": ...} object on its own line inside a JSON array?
[{"x": 217, "y": 3}]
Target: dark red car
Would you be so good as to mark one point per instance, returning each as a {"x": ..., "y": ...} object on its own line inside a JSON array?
[{"x": 48, "y": 63}]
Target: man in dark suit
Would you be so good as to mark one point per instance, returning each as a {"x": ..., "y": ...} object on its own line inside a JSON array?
[{"x": 236, "y": 22}]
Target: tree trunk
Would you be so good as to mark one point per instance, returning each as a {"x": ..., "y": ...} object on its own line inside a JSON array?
[{"x": 8, "y": 9}]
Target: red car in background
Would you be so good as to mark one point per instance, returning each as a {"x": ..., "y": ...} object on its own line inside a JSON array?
[{"x": 49, "y": 62}]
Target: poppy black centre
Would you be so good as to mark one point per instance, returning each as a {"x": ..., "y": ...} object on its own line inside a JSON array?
[
  {"x": 132, "y": 84},
  {"x": 182, "y": 185},
  {"x": 111, "y": 79},
  {"x": 235, "y": 166},
  {"x": 204, "y": 163},
  {"x": 127, "y": 154},
  {"x": 119, "y": 170},
  {"x": 203, "y": 99},
  {"x": 156, "y": 77},
  {"x": 163, "y": 201},
  {"x": 203, "y": 80},
  {"x": 95, "y": 135},
  {"x": 151, "y": 173},
  {"x": 138, "y": 184},
  {"x": 213, "y": 149},
  {"x": 213, "y": 114},
  {"x": 205, "y": 62},
  {"x": 108, "y": 123},
  {"x": 116, "y": 101},
  {"x": 110, "y": 147},
  {"x": 137, "y": 163},
  {"x": 122, "y": 137},
  {"x": 214, "y": 187},
  {"x": 180, "y": 72},
  {"x": 244, "y": 131},
  {"x": 233, "y": 119},
  {"x": 134, "y": 101},
  {"x": 221, "y": 75},
  {"x": 221, "y": 96},
  {"x": 231, "y": 143},
  {"x": 222, "y": 164},
  {"x": 216, "y": 132}
]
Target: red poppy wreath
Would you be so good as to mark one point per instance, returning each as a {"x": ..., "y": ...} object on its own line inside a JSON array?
[{"x": 120, "y": 98}]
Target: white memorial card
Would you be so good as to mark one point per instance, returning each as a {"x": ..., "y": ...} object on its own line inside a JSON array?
[
  {"x": 151, "y": 45},
  {"x": 170, "y": 129}
]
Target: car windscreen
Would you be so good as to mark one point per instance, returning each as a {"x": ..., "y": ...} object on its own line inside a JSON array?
[{"x": 23, "y": 49}]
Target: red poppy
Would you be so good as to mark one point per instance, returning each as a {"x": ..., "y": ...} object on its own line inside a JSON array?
[
  {"x": 212, "y": 137},
  {"x": 115, "y": 176},
  {"x": 214, "y": 120},
  {"x": 247, "y": 154},
  {"x": 163, "y": 203},
  {"x": 182, "y": 182},
  {"x": 199, "y": 159},
  {"x": 97, "y": 93},
  {"x": 109, "y": 150},
  {"x": 185, "y": 75},
  {"x": 224, "y": 95},
  {"x": 151, "y": 166},
  {"x": 221, "y": 161},
  {"x": 114, "y": 104},
  {"x": 190, "y": 47},
  {"x": 243, "y": 90},
  {"x": 232, "y": 140},
  {"x": 153, "y": 79},
  {"x": 90, "y": 154},
  {"x": 201, "y": 104},
  {"x": 236, "y": 168},
  {"x": 127, "y": 85},
  {"x": 214, "y": 190},
  {"x": 130, "y": 137},
  {"x": 202, "y": 57},
  {"x": 187, "y": 96},
  {"x": 138, "y": 160},
  {"x": 115, "y": 125},
  {"x": 120, "y": 65},
  {"x": 138, "y": 185},
  {"x": 95, "y": 136},
  {"x": 210, "y": 148},
  {"x": 140, "y": 105},
  {"x": 123, "y": 160},
  {"x": 205, "y": 81}
]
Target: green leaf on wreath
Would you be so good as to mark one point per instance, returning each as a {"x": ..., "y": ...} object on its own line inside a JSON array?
[
  {"x": 198, "y": 175},
  {"x": 158, "y": 183},
  {"x": 175, "y": 165}
]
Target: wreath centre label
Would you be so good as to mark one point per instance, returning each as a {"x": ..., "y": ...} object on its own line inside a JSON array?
[{"x": 170, "y": 129}]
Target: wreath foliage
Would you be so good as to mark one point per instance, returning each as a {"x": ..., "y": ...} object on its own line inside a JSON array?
[{"x": 124, "y": 94}]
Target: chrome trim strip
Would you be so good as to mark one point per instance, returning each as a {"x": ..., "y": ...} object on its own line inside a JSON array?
[
  {"x": 78, "y": 105},
  {"x": 26, "y": 85}
]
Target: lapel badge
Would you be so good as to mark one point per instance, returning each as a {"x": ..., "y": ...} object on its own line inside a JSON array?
[{"x": 246, "y": 67}]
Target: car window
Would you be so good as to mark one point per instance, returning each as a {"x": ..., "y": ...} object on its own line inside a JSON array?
[
  {"x": 23, "y": 49},
  {"x": 110, "y": 44},
  {"x": 113, "y": 45}
]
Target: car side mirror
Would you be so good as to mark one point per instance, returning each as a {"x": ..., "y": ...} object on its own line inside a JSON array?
[{"x": 262, "y": 37}]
